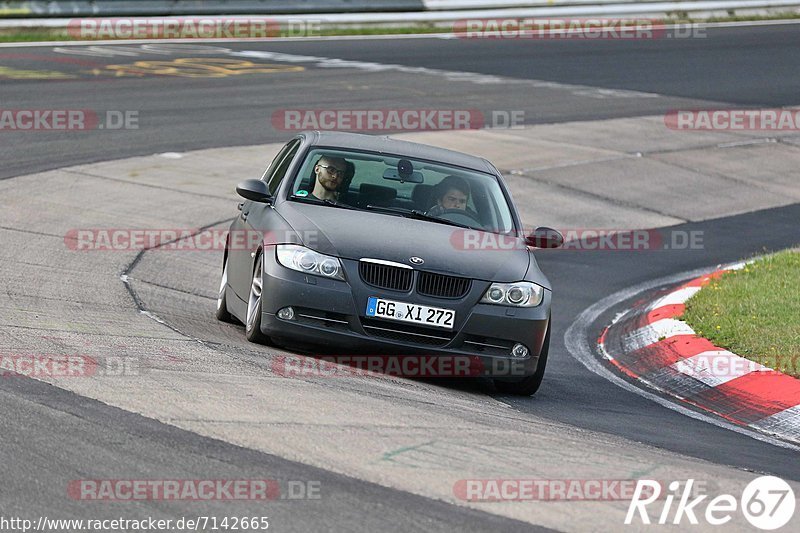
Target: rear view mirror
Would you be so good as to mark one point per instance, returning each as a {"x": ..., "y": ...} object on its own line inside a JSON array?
[
  {"x": 255, "y": 190},
  {"x": 403, "y": 173},
  {"x": 544, "y": 238},
  {"x": 393, "y": 174}
]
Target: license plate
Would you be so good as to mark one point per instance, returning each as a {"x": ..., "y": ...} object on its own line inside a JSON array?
[{"x": 416, "y": 314}]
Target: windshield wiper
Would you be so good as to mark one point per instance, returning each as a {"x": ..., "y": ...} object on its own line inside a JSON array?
[
  {"x": 419, "y": 215},
  {"x": 318, "y": 201}
]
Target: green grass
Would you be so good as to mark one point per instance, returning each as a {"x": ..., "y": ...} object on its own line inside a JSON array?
[
  {"x": 754, "y": 312},
  {"x": 32, "y": 35},
  {"x": 45, "y": 34}
]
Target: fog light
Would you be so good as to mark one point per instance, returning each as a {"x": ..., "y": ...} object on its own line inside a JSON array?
[
  {"x": 287, "y": 313},
  {"x": 519, "y": 350}
]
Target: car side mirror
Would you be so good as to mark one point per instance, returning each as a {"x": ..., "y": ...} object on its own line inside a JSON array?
[
  {"x": 255, "y": 190},
  {"x": 544, "y": 238}
]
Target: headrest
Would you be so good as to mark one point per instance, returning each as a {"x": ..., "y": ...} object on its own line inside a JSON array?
[
  {"x": 376, "y": 194},
  {"x": 421, "y": 196}
]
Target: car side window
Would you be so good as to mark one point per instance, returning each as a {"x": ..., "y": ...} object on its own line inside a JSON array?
[{"x": 277, "y": 170}]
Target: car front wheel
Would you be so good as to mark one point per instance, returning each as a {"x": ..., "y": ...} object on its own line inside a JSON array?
[
  {"x": 222, "y": 305},
  {"x": 252, "y": 327}
]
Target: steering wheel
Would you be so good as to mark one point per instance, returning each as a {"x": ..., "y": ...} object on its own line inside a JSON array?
[{"x": 461, "y": 216}]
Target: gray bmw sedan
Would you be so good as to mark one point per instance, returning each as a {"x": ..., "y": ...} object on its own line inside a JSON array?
[{"x": 368, "y": 244}]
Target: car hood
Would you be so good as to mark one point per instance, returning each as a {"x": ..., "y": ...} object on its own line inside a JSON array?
[{"x": 353, "y": 234}]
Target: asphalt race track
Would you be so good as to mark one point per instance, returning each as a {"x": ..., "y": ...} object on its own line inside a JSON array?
[
  {"x": 50, "y": 435},
  {"x": 741, "y": 66}
]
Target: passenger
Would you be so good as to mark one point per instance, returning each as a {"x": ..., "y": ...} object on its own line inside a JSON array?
[
  {"x": 330, "y": 173},
  {"x": 451, "y": 193}
]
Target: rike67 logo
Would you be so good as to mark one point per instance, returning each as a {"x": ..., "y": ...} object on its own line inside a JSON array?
[{"x": 767, "y": 503}]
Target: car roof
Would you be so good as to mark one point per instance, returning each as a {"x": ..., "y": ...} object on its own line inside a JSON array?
[{"x": 385, "y": 144}]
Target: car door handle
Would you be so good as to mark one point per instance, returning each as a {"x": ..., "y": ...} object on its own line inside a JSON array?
[
  {"x": 244, "y": 215},
  {"x": 240, "y": 206}
]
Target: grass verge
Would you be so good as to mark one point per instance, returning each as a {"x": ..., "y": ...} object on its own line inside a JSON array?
[{"x": 754, "y": 312}]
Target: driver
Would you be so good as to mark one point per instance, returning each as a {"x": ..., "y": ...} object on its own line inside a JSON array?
[
  {"x": 451, "y": 193},
  {"x": 330, "y": 173}
]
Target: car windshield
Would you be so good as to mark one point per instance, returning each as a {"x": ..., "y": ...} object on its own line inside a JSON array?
[{"x": 401, "y": 186}]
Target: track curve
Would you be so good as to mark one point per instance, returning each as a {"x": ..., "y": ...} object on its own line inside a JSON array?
[{"x": 386, "y": 443}]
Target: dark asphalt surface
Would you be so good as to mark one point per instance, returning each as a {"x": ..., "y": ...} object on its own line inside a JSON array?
[
  {"x": 729, "y": 67},
  {"x": 96, "y": 441},
  {"x": 740, "y": 66}
]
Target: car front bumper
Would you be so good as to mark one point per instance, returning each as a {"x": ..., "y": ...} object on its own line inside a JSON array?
[{"x": 332, "y": 313}]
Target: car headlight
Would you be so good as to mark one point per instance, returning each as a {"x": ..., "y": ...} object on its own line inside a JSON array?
[
  {"x": 308, "y": 261},
  {"x": 519, "y": 294}
]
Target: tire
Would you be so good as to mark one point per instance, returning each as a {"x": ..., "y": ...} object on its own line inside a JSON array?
[
  {"x": 252, "y": 325},
  {"x": 527, "y": 386},
  {"x": 222, "y": 313}
]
